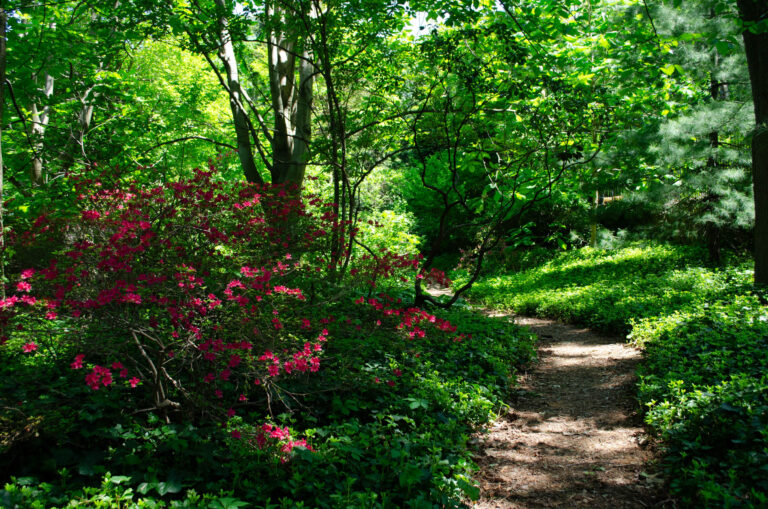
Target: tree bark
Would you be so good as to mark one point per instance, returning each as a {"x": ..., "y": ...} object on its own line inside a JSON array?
[
  {"x": 756, "y": 46},
  {"x": 712, "y": 231},
  {"x": 291, "y": 101},
  {"x": 3, "y": 20},
  {"x": 236, "y": 98},
  {"x": 39, "y": 123},
  {"x": 760, "y": 172}
]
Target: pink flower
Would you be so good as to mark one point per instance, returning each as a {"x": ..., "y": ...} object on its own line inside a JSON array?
[
  {"x": 242, "y": 397},
  {"x": 23, "y": 286},
  {"x": 134, "y": 382},
  {"x": 235, "y": 433},
  {"x": 78, "y": 362},
  {"x": 29, "y": 347},
  {"x": 132, "y": 298},
  {"x": 27, "y": 273},
  {"x": 397, "y": 372},
  {"x": 261, "y": 440},
  {"x": 97, "y": 377},
  {"x": 230, "y": 413},
  {"x": 28, "y": 300}
]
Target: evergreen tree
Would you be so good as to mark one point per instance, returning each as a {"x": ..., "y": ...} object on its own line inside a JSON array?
[{"x": 702, "y": 147}]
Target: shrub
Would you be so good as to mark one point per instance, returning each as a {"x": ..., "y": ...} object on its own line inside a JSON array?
[
  {"x": 704, "y": 384},
  {"x": 202, "y": 320}
]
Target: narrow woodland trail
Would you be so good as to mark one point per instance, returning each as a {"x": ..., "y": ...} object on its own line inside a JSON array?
[{"x": 572, "y": 437}]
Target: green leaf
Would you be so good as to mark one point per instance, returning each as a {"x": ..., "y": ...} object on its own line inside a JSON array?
[
  {"x": 470, "y": 490},
  {"x": 227, "y": 503},
  {"x": 119, "y": 479},
  {"x": 669, "y": 70},
  {"x": 723, "y": 47},
  {"x": 409, "y": 475}
]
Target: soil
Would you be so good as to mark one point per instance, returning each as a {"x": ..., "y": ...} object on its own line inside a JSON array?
[{"x": 573, "y": 436}]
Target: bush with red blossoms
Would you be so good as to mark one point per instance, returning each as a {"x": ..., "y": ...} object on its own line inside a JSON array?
[{"x": 193, "y": 297}]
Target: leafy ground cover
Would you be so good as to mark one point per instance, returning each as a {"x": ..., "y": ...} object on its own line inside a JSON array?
[
  {"x": 705, "y": 336},
  {"x": 174, "y": 347},
  {"x": 392, "y": 433}
]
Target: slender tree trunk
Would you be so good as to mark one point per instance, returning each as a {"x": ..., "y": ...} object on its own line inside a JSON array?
[
  {"x": 712, "y": 231},
  {"x": 3, "y": 19},
  {"x": 84, "y": 119},
  {"x": 39, "y": 123},
  {"x": 593, "y": 225},
  {"x": 76, "y": 141},
  {"x": 756, "y": 46}
]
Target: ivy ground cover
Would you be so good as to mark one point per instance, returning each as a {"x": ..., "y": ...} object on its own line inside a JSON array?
[{"x": 705, "y": 335}]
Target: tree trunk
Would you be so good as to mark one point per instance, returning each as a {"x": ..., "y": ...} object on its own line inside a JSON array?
[
  {"x": 236, "y": 98},
  {"x": 291, "y": 101},
  {"x": 760, "y": 172},
  {"x": 756, "y": 46},
  {"x": 3, "y": 19},
  {"x": 39, "y": 123},
  {"x": 76, "y": 141},
  {"x": 713, "y": 231}
]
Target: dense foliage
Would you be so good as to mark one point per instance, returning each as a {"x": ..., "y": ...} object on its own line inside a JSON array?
[
  {"x": 269, "y": 320},
  {"x": 173, "y": 323},
  {"x": 704, "y": 385},
  {"x": 704, "y": 333}
]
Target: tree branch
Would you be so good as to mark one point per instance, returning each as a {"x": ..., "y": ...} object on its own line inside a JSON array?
[{"x": 185, "y": 138}]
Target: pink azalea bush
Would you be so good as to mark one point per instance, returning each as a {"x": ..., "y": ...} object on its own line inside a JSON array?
[{"x": 193, "y": 295}]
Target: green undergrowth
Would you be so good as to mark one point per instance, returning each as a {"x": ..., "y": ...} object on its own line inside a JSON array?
[
  {"x": 704, "y": 379},
  {"x": 388, "y": 418},
  {"x": 607, "y": 289}
]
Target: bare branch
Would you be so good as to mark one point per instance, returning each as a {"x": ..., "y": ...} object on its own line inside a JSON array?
[{"x": 185, "y": 138}]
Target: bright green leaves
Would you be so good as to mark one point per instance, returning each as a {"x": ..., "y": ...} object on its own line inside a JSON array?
[{"x": 670, "y": 69}]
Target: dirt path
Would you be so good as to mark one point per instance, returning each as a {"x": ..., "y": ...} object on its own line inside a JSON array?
[{"x": 572, "y": 437}]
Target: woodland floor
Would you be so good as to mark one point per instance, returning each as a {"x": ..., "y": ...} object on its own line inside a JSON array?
[{"x": 573, "y": 436}]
